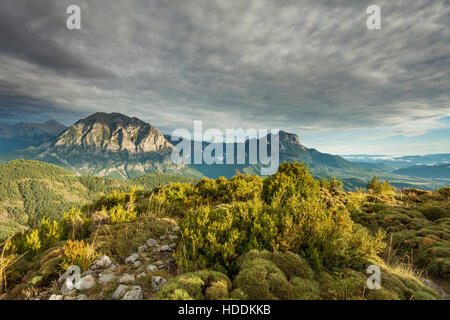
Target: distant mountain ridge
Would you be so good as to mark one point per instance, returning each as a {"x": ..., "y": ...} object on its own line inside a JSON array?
[
  {"x": 426, "y": 171},
  {"x": 22, "y": 135},
  {"x": 396, "y": 162},
  {"x": 109, "y": 145},
  {"x": 117, "y": 146}
]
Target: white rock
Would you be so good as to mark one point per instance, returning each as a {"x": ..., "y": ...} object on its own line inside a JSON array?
[
  {"x": 141, "y": 275},
  {"x": 101, "y": 263},
  {"x": 176, "y": 229},
  {"x": 134, "y": 294},
  {"x": 151, "y": 242},
  {"x": 111, "y": 268},
  {"x": 127, "y": 278},
  {"x": 157, "y": 282},
  {"x": 132, "y": 258},
  {"x": 137, "y": 263},
  {"x": 165, "y": 248},
  {"x": 55, "y": 297},
  {"x": 163, "y": 237},
  {"x": 119, "y": 292},
  {"x": 82, "y": 297},
  {"x": 85, "y": 283},
  {"x": 173, "y": 237},
  {"x": 67, "y": 286},
  {"x": 85, "y": 273},
  {"x": 151, "y": 268},
  {"x": 142, "y": 248},
  {"x": 106, "y": 277},
  {"x": 71, "y": 271},
  {"x": 159, "y": 263}
]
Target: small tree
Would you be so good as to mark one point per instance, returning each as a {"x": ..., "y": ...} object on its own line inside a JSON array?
[{"x": 376, "y": 187}]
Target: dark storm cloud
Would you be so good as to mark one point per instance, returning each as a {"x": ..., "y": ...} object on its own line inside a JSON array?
[
  {"x": 289, "y": 64},
  {"x": 20, "y": 41}
]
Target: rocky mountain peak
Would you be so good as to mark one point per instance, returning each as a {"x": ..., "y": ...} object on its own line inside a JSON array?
[
  {"x": 290, "y": 138},
  {"x": 112, "y": 133}
]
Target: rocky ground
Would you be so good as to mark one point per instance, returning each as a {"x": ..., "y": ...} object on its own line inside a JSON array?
[{"x": 139, "y": 277}]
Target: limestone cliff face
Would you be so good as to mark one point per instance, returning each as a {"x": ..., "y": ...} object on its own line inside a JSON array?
[
  {"x": 109, "y": 133},
  {"x": 289, "y": 142}
]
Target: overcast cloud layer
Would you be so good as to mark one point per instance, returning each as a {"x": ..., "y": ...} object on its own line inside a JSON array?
[{"x": 302, "y": 66}]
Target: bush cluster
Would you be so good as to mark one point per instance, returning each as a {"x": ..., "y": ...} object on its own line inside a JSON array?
[
  {"x": 78, "y": 253},
  {"x": 286, "y": 213},
  {"x": 376, "y": 187}
]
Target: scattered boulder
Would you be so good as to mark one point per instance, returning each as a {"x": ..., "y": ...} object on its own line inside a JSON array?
[
  {"x": 119, "y": 292},
  {"x": 101, "y": 263},
  {"x": 85, "y": 283},
  {"x": 173, "y": 237},
  {"x": 106, "y": 277},
  {"x": 134, "y": 294},
  {"x": 151, "y": 242},
  {"x": 165, "y": 248},
  {"x": 132, "y": 258},
  {"x": 142, "y": 248},
  {"x": 55, "y": 297},
  {"x": 85, "y": 273},
  {"x": 176, "y": 229},
  {"x": 137, "y": 264},
  {"x": 141, "y": 275},
  {"x": 82, "y": 297},
  {"x": 111, "y": 268},
  {"x": 127, "y": 278},
  {"x": 157, "y": 283},
  {"x": 151, "y": 268},
  {"x": 67, "y": 286},
  {"x": 72, "y": 270}
]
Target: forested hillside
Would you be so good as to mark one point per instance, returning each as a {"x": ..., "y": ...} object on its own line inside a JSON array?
[
  {"x": 286, "y": 236},
  {"x": 31, "y": 190}
]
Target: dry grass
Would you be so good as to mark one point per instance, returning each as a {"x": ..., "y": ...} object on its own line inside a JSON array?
[
  {"x": 6, "y": 261},
  {"x": 121, "y": 239}
]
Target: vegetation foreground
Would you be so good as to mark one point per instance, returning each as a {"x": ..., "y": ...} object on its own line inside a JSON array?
[{"x": 286, "y": 236}]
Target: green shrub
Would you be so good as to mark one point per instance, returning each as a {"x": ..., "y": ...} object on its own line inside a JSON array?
[
  {"x": 75, "y": 225},
  {"x": 119, "y": 214},
  {"x": 293, "y": 218},
  {"x": 271, "y": 275},
  {"x": 334, "y": 185},
  {"x": 292, "y": 180},
  {"x": 32, "y": 241},
  {"x": 434, "y": 212},
  {"x": 260, "y": 279},
  {"x": 199, "y": 285},
  {"x": 78, "y": 253},
  {"x": 49, "y": 233},
  {"x": 305, "y": 289},
  {"x": 239, "y": 188},
  {"x": 445, "y": 191},
  {"x": 376, "y": 187}
]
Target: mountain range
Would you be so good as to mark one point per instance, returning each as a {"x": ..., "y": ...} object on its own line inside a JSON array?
[
  {"x": 116, "y": 146},
  {"x": 426, "y": 171},
  {"x": 23, "y": 135}
]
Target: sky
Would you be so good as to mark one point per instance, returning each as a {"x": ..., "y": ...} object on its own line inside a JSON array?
[{"x": 308, "y": 67}]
